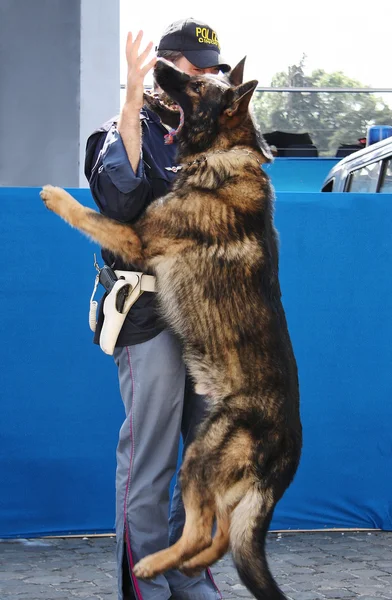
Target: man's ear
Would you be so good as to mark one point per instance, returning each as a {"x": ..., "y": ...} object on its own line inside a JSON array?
[
  {"x": 241, "y": 96},
  {"x": 236, "y": 75}
]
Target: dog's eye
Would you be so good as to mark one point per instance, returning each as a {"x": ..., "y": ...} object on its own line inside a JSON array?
[{"x": 198, "y": 86}]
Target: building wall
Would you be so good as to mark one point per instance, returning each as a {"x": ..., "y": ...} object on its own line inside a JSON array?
[{"x": 59, "y": 74}]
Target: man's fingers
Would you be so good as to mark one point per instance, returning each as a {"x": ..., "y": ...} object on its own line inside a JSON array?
[
  {"x": 136, "y": 46},
  {"x": 148, "y": 66},
  {"x": 129, "y": 43},
  {"x": 134, "y": 60},
  {"x": 142, "y": 57}
]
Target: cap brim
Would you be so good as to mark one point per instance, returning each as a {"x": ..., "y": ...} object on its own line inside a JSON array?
[{"x": 205, "y": 59}]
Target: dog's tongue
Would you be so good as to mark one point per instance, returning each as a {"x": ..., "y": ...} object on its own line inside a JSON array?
[{"x": 169, "y": 137}]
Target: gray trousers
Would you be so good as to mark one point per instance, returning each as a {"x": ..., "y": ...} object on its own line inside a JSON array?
[{"x": 160, "y": 405}]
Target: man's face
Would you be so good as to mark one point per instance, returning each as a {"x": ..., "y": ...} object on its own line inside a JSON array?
[{"x": 184, "y": 65}]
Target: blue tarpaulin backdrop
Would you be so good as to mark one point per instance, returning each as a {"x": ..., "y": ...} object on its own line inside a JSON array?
[
  {"x": 60, "y": 408},
  {"x": 299, "y": 174}
]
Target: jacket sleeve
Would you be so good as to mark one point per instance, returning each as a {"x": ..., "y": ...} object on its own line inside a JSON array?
[{"x": 118, "y": 191}]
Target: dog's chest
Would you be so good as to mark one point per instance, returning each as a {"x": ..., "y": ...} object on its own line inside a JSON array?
[{"x": 174, "y": 283}]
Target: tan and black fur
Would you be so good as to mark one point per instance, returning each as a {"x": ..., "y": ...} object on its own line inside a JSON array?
[{"x": 213, "y": 247}]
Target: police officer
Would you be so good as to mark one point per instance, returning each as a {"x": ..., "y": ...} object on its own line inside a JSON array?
[{"x": 128, "y": 165}]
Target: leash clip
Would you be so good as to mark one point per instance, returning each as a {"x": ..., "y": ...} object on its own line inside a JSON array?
[{"x": 96, "y": 265}]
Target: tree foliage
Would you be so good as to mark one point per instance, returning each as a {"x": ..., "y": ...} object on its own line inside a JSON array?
[{"x": 330, "y": 118}]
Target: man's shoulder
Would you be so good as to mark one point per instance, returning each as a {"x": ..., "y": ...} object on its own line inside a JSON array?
[
  {"x": 97, "y": 139},
  {"x": 105, "y": 127},
  {"x": 108, "y": 124}
]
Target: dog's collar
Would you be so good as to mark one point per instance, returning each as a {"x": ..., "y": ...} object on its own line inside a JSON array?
[{"x": 205, "y": 157}]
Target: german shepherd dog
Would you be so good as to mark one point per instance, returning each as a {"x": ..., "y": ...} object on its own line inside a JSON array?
[{"x": 212, "y": 245}]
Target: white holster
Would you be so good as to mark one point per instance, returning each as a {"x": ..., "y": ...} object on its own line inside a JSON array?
[{"x": 113, "y": 319}]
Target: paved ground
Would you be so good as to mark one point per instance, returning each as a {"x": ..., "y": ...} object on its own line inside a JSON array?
[{"x": 309, "y": 566}]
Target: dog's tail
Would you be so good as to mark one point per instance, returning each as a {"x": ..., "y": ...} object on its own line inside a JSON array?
[{"x": 249, "y": 524}]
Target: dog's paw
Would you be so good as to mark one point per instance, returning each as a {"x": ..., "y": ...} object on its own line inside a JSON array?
[
  {"x": 60, "y": 202},
  {"x": 51, "y": 197},
  {"x": 190, "y": 571},
  {"x": 144, "y": 568}
]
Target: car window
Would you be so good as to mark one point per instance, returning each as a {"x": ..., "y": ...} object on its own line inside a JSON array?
[
  {"x": 386, "y": 184},
  {"x": 328, "y": 186},
  {"x": 365, "y": 179}
]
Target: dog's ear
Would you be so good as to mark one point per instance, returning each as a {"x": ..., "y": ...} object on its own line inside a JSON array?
[
  {"x": 236, "y": 75},
  {"x": 240, "y": 97}
]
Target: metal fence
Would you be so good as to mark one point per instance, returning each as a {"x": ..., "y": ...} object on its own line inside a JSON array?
[{"x": 333, "y": 118}]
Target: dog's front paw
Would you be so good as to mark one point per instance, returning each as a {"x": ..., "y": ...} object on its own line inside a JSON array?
[
  {"x": 144, "y": 568},
  {"x": 190, "y": 571},
  {"x": 60, "y": 202},
  {"x": 51, "y": 197}
]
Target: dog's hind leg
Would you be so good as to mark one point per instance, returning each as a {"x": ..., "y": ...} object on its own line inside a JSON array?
[
  {"x": 214, "y": 477},
  {"x": 200, "y": 512},
  {"x": 219, "y": 547},
  {"x": 116, "y": 237}
]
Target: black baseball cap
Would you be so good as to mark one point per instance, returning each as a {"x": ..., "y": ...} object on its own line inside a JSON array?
[{"x": 197, "y": 41}]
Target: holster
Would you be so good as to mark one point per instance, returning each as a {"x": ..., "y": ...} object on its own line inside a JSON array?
[{"x": 113, "y": 319}]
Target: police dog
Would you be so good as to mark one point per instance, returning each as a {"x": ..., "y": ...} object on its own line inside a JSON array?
[{"x": 213, "y": 248}]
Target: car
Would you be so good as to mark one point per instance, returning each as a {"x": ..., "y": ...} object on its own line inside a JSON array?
[{"x": 365, "y": 171}]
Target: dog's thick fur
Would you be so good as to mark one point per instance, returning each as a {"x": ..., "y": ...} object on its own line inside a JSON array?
[{"x": 213, "y": 247}]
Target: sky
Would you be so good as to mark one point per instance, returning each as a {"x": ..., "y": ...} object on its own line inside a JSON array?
[{"x": 335, "y": 35}]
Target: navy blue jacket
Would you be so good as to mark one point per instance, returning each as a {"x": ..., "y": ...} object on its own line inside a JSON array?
[{"x": 124, "y": 195}]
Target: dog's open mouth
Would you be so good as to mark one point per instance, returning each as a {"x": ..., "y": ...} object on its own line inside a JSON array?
[
  {"x": 163, "y": 100},
  {"x": 168, "y": 110}
]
